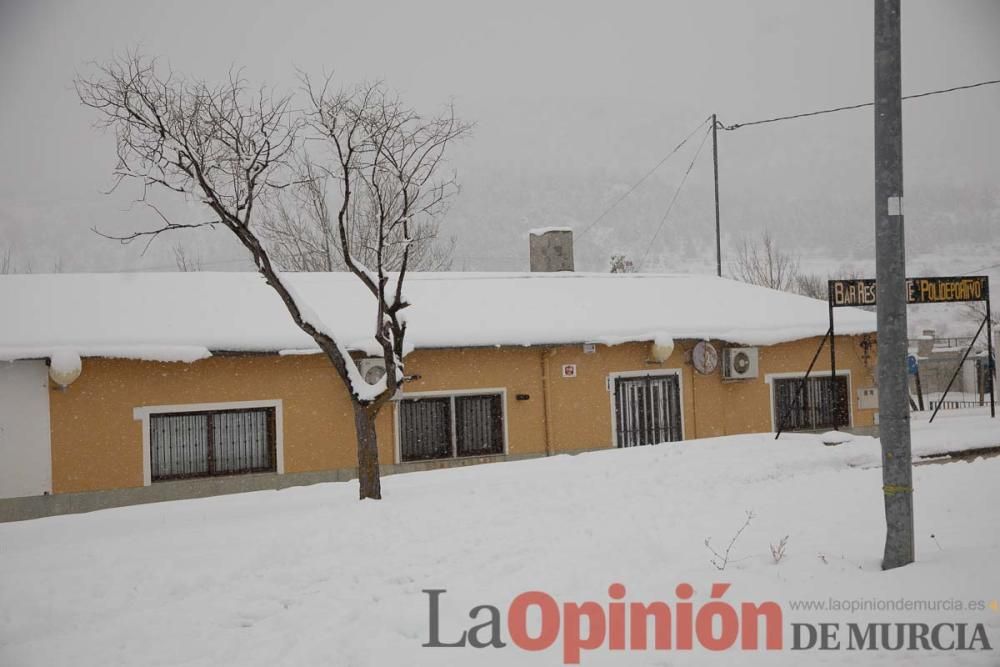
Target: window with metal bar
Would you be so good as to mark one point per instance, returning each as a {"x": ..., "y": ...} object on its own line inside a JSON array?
[
  {"x": 450, "y": 426},
  {"x": 208, "y": 443},
  {"x": 818, "y": 403}
]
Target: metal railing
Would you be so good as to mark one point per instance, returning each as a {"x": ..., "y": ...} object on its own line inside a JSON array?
[{"x": 956, "y": 405}]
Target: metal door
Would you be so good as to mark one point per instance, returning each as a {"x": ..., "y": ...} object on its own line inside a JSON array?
[{"x": 647, "y": 410}]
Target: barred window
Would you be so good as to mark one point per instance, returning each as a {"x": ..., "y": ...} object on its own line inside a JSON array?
[
  {"x": 819, "y": 403},
  {"x": 208, "y": 443},
  {"x": 442, "y": 427}
]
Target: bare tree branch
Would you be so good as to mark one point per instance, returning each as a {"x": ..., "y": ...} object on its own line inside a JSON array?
[
  {"x": 301, "y": 233},
  {"x": 186, "y": 261},
  {"x": 384, "y": 172},
  {"x": 7, "y": 261},
  {"x": 232, "y": 148},
  {"x": 761, "y": 262}
]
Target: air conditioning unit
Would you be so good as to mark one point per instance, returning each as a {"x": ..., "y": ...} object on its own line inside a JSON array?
[
  {"x": 372, "y": 369},
  {"x": 739, "y": 363}
]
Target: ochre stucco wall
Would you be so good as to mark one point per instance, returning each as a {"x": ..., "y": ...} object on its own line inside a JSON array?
[
  {"x": 581, "y": 413},
  {"x": 518, "y": 369},
  {"x": 97, "y": 444}
]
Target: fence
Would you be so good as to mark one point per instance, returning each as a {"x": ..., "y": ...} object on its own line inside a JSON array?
[{"x": 956, "y": 405}]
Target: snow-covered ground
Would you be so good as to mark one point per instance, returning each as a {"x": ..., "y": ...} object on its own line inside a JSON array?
[
  {"x": 311, "y": 576},
  {"x": 954, "y": 430}
]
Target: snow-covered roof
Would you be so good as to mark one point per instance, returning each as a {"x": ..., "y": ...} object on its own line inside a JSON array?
[{"x": 184, "y": 316}]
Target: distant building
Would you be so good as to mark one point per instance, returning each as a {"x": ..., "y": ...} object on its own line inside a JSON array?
[{"x": 939, "y": 357}]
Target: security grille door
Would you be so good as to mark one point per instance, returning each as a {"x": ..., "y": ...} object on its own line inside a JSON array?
[
  {"x": 425, "y": 429},
  {"x": 647, "y": 410},
  {"x": 202, "y": 444},
  {"x": 813, "y": 406}
]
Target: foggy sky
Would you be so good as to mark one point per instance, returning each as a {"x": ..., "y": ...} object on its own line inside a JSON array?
[{"x": 572, "y": 102}]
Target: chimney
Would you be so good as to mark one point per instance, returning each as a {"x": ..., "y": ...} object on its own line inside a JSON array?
[{"x": 551, "y": 249}]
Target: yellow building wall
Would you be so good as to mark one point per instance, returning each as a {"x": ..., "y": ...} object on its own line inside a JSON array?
[
  {"x": 97, "y": 443},
  {"x": 581, "y": 407},
  {"x": 747, "y": 408},
  {"x": 516, "y": 369}
]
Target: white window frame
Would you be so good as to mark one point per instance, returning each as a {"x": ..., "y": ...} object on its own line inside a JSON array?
[
  {"x": 143, "y": 413},
  {"x": 801, "y": 374},
  {"x": 450, "y": 393},
  {"x": 632, "y": 374}
]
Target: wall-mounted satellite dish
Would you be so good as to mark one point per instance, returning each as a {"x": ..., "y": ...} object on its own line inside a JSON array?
[{"x": 705, "y": 358}]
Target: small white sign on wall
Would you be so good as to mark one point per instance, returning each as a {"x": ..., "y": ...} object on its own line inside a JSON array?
[
  {"x": 868, "y": 398},
  {"x": 569, "y": 370}
]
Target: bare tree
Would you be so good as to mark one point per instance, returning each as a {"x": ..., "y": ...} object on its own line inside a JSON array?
[
  {"x": 762, "y": 262},
  {"x": 811, "y": 285},
  {"x": 816, "y": 286},
  {"x": 229, "y": 146},
  {"x": 302, "y": 235},
  {"x": 974, "y": 312},
  {"x": 622, "y": 264},
  {"x": 7, "y": 261},
  {"x": 384, "y": 163},
  {"x": 185, "y": 260}
]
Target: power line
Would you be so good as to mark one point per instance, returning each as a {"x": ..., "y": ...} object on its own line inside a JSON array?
[
  {"x": 643, "y": 179},
  {"x": 849, "y": 107},
  {"x": 677, "y": 192},
  {"x": 985, "y": 268}
]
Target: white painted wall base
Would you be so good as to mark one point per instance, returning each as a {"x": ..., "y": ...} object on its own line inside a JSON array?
[{"x": 25, "y": 435}]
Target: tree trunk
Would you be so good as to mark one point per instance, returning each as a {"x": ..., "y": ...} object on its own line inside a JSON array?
[{"x": 368, "y": 472}]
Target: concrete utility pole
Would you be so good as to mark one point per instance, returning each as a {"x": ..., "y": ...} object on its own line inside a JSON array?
[
  {"x": 890, "y": 272},
  {"x": 715, "y": 163}
]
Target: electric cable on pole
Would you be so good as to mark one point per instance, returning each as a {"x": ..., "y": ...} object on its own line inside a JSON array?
[
  {"x": 644, "y": 177},
  {"x": 673, "y": 200},
  {"x": 717, "y": 125},
  {"x": 715, "y": 167}
]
